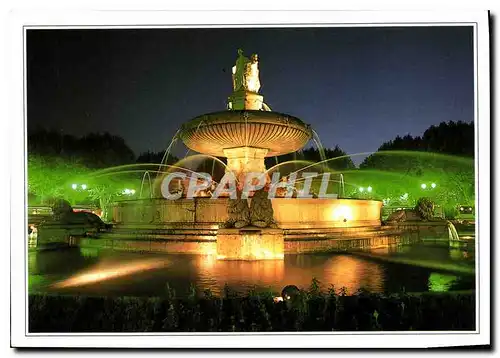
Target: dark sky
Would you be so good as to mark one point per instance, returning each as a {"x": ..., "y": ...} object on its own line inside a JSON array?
[{"x": 357, "y": 87}]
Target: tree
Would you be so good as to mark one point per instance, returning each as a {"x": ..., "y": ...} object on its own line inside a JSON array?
[
  {"x": 455, "y": 138},
  {"x": 50, "y": 177},
  {"x": 341, "y": 161},
  {"x": 156, "y": 158},
  {"x": 308, "y": 156}
]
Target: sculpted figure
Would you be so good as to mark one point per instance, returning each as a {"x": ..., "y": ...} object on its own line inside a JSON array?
[
  {"x": 61, "y": 208},
  {"x": 239, "y": 71},
  {"x": 252, "y": 74},
  {"x": 246, "y": 73},
  {"x": 238, "y": 213},
  {"x": 404, "y": 215},
  {"x": 423, "y": 211},
  {"x": 261, "y": 210}
]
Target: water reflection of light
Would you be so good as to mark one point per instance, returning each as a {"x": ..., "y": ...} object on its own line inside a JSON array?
[
  {"x": 354, "y": 274},
  {"x": 214, "y": 274},
  {"x": 106, "y": 273},
  {"x": 439, "y": 282},
  {"x": 207, "y": 261}
]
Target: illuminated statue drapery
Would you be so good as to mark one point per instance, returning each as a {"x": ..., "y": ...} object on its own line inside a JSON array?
[{"x": 246, "y": 73}]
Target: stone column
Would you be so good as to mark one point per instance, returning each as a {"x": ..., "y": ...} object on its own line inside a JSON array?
[{"x": 246, "y": 160}]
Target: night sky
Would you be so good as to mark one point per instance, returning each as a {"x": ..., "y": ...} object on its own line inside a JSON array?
[{"x": 357, "y": 87}]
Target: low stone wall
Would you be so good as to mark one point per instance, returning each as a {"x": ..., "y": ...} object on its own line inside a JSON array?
[
  {"x": 206, "y": 247},
  {"x": 212, "y": 241},
  {"x": 346, "y": 244},
  {"x": 288, "y": 213},
  {"x": 208, "y": 240},
  {"x": 425, "y": 231}
]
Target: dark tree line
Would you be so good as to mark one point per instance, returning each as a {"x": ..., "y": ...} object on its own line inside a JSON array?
[
  {"x": 316, "y": 155},
  {"x": 453, "y": 138},
  {"x": 93, "y": 150},
  {"x": 156, "y": 157}
]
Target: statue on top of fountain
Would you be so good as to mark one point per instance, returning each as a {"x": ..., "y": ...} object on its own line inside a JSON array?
[{"x": 246, "y": 73}]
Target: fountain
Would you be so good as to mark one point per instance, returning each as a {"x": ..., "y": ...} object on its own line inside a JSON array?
[{"x": 245, "y": 134}]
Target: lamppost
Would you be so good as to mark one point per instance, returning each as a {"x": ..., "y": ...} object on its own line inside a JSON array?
[
  {"x": 128, "y": 191},
  {"x": 369, "y": 189}
]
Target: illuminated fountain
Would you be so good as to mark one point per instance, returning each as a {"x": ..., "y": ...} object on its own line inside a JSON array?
[{"x": 245, "y": 134}]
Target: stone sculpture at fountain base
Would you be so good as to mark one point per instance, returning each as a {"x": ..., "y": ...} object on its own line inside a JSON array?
[
  {"x": 261, "y": 210},
  {"x": 238, "y": 213}
]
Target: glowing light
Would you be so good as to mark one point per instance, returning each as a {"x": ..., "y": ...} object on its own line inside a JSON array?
[
  {"x": 433, "y": 185},
  {"x": 423, "y": 186},
  {"x": 342, "y": 213},
  {"x": 132, "y": 191},
  {"x": 84, "y": 186},
  {"x": 361, "y": 189},
  {"x": 74, "y": 186},
  {"x": 369, "y": 189},
  {"x": 103, "y": 274}
]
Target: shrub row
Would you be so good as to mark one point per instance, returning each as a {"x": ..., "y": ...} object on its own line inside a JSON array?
[{"x": 308, "y": 311}]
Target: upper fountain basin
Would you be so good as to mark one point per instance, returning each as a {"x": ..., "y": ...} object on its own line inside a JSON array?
[{"x": 212, "y": 133}]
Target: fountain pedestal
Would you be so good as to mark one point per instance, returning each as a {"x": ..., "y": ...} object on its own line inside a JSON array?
[
  {"x": 250, "y": 244},
  {"x": 246, "y": 160},
  {"x": 243, "y": 99}
]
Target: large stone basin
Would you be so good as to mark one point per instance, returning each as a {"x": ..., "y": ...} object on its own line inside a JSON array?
[{"x": 215, "y": 133}]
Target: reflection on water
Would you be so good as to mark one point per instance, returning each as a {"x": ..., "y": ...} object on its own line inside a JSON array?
[
  {"x": 88, "y": 271},
  {"x": 463, "y": 256},
  {"x": 214, "y": 274},
  {"x": 439, "y": 282},
  {"x": 354, "y": 274},
  {"x": 108, "y": 270}
]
